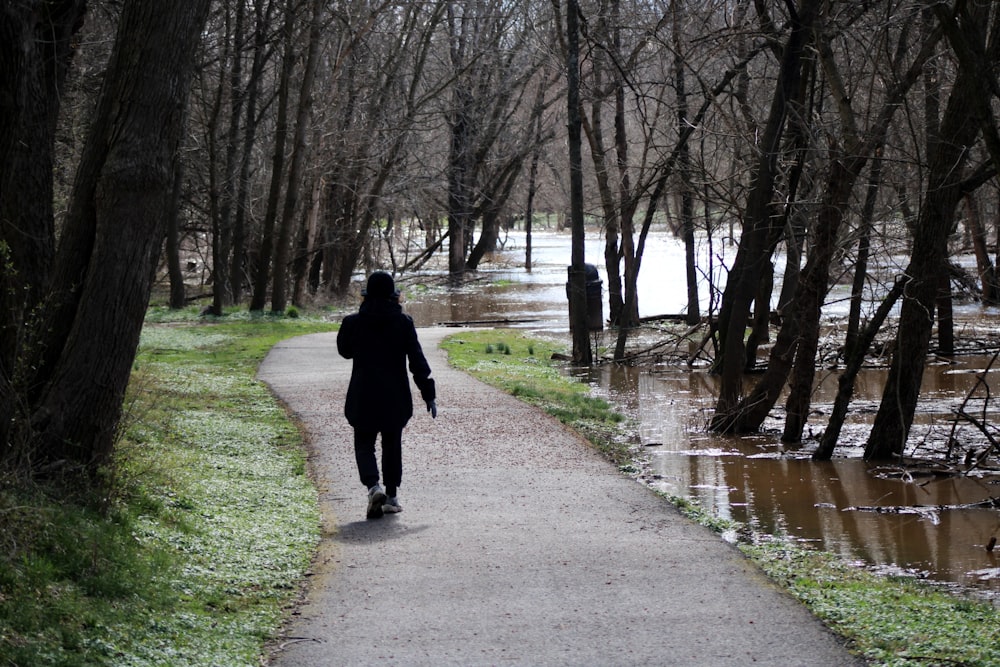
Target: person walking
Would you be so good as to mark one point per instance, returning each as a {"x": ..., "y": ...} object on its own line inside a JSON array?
[{"x": 380, "y": 338}]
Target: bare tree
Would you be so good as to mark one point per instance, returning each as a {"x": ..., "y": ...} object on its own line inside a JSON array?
[
  {"x": 36, "y": 50},
  {"x": 971, "y": 27},
  {"x": 759, "y": 231},
  {"x": 794, "y": 353},
  {"x": 262, "y": 272},
  {"x": 491, "y": 69},
  {"x": 111, "y": 241},
  {"x": 282, "y": 249},
  {"x": 380, "y": 91}
]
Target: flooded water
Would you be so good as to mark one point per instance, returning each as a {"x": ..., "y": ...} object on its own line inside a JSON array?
[{"x": 757, "y": 480}]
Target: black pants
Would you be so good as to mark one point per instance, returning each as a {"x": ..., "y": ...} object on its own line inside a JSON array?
[{"x": 392, "y": 456}]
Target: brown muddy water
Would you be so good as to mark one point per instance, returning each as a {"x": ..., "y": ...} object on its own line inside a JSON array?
[{"x": 844, "y": 506}]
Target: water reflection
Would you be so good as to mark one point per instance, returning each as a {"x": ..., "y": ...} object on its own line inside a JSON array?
[{"x": 757, "y": 480}]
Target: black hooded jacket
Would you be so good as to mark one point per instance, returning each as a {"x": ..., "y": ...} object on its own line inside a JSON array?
[{"x": 380, "y": 338}]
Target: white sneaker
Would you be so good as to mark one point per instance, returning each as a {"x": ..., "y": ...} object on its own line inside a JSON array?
[
  {"x": 376, "y": 498},
  {"x": 392, "y": 506}
]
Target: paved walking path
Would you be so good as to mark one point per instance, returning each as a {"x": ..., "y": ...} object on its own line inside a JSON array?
[{"x": 518, "y": 545}]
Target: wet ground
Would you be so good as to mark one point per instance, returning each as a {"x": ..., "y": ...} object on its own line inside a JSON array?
[{"x": 757, "y": 480}]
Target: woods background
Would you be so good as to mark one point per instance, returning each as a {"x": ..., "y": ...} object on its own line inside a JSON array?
[{"x": 267, "y": 150}]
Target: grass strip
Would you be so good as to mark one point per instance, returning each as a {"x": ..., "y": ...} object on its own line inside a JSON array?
[
  {"x": 890, "y": 621},
  {"x": 210, "y": 524},
  {"x": 524, "y": 368}
]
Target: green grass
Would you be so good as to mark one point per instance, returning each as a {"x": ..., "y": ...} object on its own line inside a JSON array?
[
  {"x": 890, "y": 621},
  {"x": 212, "y": 520},
  {"x": 210, "y": 523}
]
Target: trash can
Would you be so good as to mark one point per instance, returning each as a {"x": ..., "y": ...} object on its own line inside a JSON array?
[{"x": 595, "y": 304}]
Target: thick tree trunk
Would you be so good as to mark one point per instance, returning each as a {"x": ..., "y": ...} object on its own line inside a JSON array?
[
  {"x": 36, "y": 47},
  {"x": 486, "y": 243},
  {"x": 582, "y": 353},
  {"x": 459, "y": 197},
  {"x": 125, "y": 183},
  {"x": 462, "y": 131},
  {"x": 305, "y": 246}
]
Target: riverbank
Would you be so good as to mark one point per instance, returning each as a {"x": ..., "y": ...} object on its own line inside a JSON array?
[{"x": 890, "y": 619}]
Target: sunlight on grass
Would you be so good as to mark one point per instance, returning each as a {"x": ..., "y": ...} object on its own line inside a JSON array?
[
  {"x": 212, "y": 522},
  {"x": 897, "y": 621}
]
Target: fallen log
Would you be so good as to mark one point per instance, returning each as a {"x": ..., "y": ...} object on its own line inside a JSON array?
[
  {"x": 671, "y": 317},
  {"x": 483, "y": 323}
]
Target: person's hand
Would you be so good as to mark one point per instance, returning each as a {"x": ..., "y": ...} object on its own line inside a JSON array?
[{"x": 433, "y": 409}]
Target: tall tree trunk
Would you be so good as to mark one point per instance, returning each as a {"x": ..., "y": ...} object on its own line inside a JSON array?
[
  {"x": 536, "y": 153},
  {"x": 306, "y": 245},
  {"x": 759, "y": 233},
  {"x": 222, "y": 241},
  {"x": 36, "y": 49},
  {"x": 262, "y": 273},
  {"x": 529, "y": 205},
  {"x": 946, "y": 157},
  {"x": 618, "y": 203},
  {"x": 238, "y": 268},
  {"x": 582, "y": 354},
  {"x": 118, "y": 212},
  {"x": 178, "y": 298},
  {"x": 798, "y": 144},
  {"x": 594, "y": 130},
  {"x": 693, "y": 316},
  {"x": 459, "y": 194},
  {"x": 283, "y": 247}
]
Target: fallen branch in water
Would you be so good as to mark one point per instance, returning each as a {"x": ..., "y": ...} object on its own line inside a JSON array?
[
  {"x": 923, "y": 509},
  {"x": 655, "y": 349}
]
